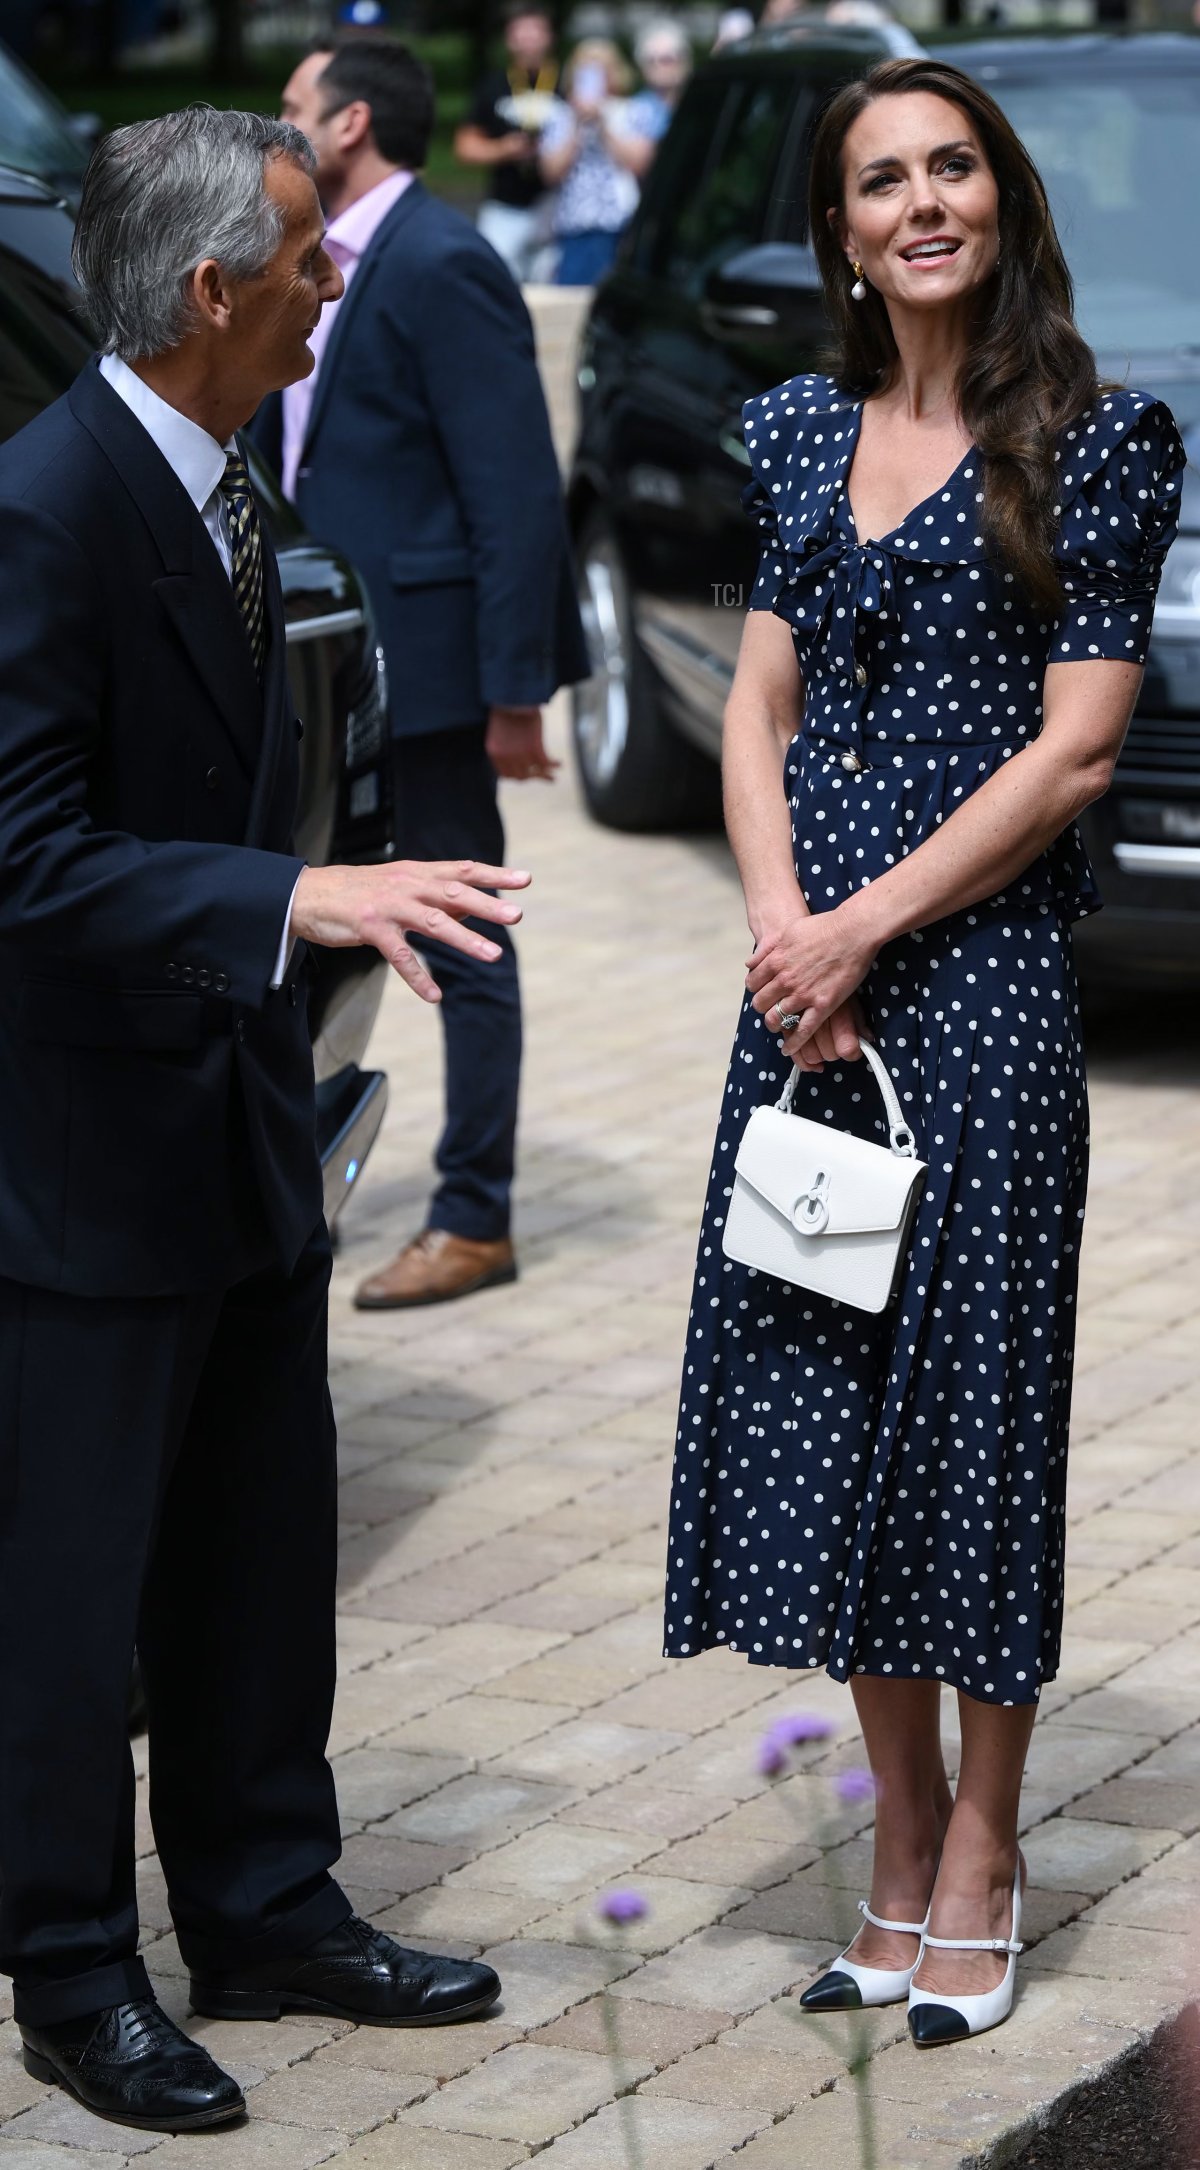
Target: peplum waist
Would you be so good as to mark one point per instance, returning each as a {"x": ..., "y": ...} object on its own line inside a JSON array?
[{"x": 855, "y": 815}]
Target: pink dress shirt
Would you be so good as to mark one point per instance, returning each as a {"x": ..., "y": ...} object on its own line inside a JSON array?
[{"x": 347, "y": 240}]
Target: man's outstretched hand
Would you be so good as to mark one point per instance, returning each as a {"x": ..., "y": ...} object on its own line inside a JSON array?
[{"x": 338, "y": 907}]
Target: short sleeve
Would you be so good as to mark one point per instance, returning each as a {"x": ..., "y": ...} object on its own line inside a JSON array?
[
  {"x": 559, "y": 128},
  {"x": 1118, "y": 521},
  {"x": 759, "y": 506}
]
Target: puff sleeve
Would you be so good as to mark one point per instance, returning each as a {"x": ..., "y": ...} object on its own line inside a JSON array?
[
  {"x": 1121, "y": 474},
  {"x": 759, "y": 506}
]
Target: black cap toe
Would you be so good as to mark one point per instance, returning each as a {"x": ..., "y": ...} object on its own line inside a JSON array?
[{"x": 833, "y": 1993}]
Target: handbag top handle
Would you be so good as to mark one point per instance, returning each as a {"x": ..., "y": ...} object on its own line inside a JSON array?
[{"x": 900, "y": 1137}]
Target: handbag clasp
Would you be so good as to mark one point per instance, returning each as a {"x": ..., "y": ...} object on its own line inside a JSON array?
[{"x": 811, "y": 1210}]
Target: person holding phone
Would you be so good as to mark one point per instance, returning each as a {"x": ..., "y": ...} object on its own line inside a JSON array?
[{"x": 581, "y": 157}]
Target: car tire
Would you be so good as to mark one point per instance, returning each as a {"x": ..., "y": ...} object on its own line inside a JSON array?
[{"x": 636, "y": 770}]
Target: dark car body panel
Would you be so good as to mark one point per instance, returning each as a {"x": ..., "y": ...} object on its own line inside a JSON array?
[{"x": 664, "y": 374}]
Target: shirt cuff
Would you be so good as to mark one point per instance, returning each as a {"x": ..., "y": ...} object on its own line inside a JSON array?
[{"x": 286, "y": 944}]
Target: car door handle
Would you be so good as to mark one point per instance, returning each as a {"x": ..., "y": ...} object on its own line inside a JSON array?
[{"x": 738, "y": 317}]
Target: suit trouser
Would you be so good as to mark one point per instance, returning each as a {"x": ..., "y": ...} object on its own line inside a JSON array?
[
  {"x": 446, "y": 808},
  {"x": 167, "y": 1477}
]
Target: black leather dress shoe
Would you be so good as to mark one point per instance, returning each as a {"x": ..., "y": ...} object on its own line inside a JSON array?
[
  {"x": 132, "y": 2065},
  {"x": 354, "y": 1972}
]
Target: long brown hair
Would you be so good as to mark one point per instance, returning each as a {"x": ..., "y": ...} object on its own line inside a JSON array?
[{"x": 1028, "y": 370}]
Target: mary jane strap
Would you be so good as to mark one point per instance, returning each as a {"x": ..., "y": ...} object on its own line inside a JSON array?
[
  {"x": 971, "y": 1943},
  {"x": 902, "y": 1928}
]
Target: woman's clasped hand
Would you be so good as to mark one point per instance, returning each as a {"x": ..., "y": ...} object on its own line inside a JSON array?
[{"x": 810, "y": 966}]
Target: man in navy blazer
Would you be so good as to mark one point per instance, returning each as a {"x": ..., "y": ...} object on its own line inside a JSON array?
[
  {"x": 167, "y": 1453},
  {"x": 423, "y": 449}
]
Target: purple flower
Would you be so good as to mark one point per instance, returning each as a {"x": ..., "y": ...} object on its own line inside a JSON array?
[
  {"x": 621, "y": 1906},
  {"x": 855, "y": 1786},
  {"x": 786, "y": 1734}
]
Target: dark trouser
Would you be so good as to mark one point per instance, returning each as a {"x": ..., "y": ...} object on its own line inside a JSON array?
[
  {"x": 167, "y": 1476},
  {"x": 445, "y": 789}
]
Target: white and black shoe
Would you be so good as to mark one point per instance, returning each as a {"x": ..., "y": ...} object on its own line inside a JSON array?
[
  {"x": 849, "y": 1987},
  {"x": 934, "y": 2018}
]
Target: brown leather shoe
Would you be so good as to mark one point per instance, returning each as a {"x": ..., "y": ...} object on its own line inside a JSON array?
[{"x": 435, "y": 1268}]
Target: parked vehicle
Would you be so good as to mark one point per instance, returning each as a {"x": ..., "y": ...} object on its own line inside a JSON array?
[
  {"x": 716, "y": 298},
  {"x": 335, "y": 666},
  {"x": 39, "y": 136}
]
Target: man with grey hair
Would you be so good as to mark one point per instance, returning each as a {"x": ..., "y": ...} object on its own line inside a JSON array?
[{"x": 167, "y": 1472}]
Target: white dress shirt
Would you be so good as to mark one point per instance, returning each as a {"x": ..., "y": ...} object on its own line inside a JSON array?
[{"x": 199, "y": 462}]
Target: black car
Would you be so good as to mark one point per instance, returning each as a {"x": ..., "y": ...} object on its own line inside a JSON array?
[
  {"x": 37, "y": 135},
  {"x": 334, "y": 661},
  {"x": 716, "y": 298}
]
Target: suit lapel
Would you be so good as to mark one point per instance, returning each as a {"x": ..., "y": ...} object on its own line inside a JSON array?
[
  {"x": 194, "y": 590},
  {"x": 410, "y": 202}
]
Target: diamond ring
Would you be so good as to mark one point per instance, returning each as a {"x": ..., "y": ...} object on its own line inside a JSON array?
[{"x": 788, "y": 1019}]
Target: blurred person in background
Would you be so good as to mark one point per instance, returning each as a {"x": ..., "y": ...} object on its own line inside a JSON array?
[
  {"x": 583, "y": 158},
  {"x": 734, "y": 25},
  {"x": 420, "y": 445},
  {"x": 502, "y": 133},
  {"x": 664, "y": 57}
]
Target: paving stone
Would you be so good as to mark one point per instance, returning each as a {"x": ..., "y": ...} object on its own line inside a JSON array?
[
  {"x": 1145, "y": 1800},
  {"x": 256, "y": 2145},
  {"x": 475, "y": 1727},
  {"x": 587, "y": 1752},
  {"x": 57, "y": 2118},
  {"x": 19, "y": 2155},
  {"x": 375, "y": 1782},
  {"x": 17, "y": 2090},
  {"x": 676, "y": 1907},
  {"x": 652, "y": 2035},
  {"x": 542, "y": 1981},
  {"x": 398, "y": 1865},
  {"x": 735, "y": 2078},
  {"x": 528, "y": 2092},
  {"x": 1073, "y": 1855},
  {"x": 328, "y": 2096},
  {"x": 267, "y": 2044},
  {"x": 757, "y": 1863},
  {"x": 465, "y": 1915},
  {"x": 1167, "y": 1959},
  {"x": 561, "y": 1862},
  {"x": 1150, "y": 1901},
  {"x": 826, "y": 2132},
  {"x": 638, "y": 1804},
  {"x": 406, "y": 2147},
  {"x": 733, "y": 1968},
  {"x": 672, "y": 2136},
  {"x": 480, "y": 1809}
]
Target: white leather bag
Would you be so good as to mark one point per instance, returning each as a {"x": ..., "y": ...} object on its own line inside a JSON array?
[{"x": 821, "y": 1208}]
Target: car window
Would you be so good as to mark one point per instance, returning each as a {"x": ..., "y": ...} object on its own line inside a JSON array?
[
  {"x": 725, "y": 208},
  {"x": 34, "y": 136},
  {"x": 43, "y": 342},
  {"x": 1120, "y": 156}
]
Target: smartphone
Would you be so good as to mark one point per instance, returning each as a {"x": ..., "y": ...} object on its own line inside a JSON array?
[{"x": 591, "y": 82}]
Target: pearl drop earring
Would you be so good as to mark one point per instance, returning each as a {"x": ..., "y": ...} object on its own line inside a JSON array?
[{"x": 858, "y": 291}]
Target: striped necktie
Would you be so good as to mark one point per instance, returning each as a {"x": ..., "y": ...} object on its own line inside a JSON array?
[{"x": 245, "y": 539}]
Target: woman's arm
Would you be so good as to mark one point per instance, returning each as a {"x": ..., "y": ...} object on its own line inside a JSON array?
[
  {"x": 636, "y": 153},
  {"x": 761, "y": 719},
  {"x": 762, "y": 716},
  {"x": 986, "y": 843}
]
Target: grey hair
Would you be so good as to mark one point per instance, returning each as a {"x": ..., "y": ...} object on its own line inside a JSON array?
[{"x": 158, "y": 198}]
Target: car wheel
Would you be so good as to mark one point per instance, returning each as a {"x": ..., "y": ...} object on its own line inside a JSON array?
[{"x": 637, "y": 771}]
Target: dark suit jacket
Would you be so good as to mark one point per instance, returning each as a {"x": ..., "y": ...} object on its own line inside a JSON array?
[
  {"x": 157, "y": 1126},
  {"x": 429, "y": 462}
]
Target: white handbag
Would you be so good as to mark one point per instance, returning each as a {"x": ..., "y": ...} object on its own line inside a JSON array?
[{"x": 821, "y": 1208}]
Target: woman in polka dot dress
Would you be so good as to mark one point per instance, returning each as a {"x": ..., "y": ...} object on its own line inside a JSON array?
[{"x": 962, "y": 537}]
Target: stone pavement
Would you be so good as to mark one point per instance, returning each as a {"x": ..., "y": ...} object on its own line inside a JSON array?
[{"x": 508, "y": 1739}]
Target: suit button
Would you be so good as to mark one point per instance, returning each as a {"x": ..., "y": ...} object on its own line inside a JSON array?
[
  {"x": 292, "y": 993},
  {"x": 172, "y": 971},
  {"x": 187, "y": 975},
  {"x": 240, "y": 1028},
  {"x": 213, "y": 779},
  {"x": 204, "y": 977},
  {"x": 299, "y": 728},
  {"x": 221, "y": 983}
]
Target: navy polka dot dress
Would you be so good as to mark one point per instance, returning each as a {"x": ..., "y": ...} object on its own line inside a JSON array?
[{"x": 885, "y": 1494}]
